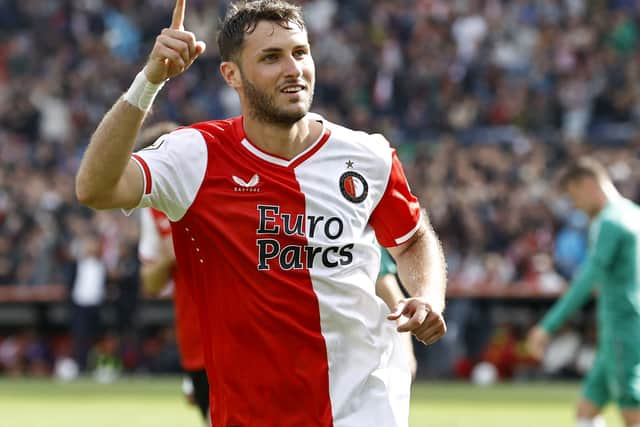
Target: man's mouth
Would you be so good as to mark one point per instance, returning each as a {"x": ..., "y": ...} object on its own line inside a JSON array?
[{"x": 292, "y": 89}]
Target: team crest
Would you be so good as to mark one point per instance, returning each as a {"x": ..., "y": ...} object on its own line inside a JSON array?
[{"x": 354, "y": 187}]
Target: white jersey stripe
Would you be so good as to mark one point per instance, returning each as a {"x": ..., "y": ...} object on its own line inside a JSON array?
[
  {"x": 280, "y": 162},
  {"x": 277, "y": 160},
  {"x": 368, "y": 378}
]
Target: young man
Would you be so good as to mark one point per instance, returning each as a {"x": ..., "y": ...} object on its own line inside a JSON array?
[
  {"x": 158, "y": 270},
  {"x": 613, "y": 264},
  {"x": 274, "y": 215}
]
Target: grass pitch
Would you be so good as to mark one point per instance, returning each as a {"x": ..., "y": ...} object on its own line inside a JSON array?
[{"x": 158, "y": 402}]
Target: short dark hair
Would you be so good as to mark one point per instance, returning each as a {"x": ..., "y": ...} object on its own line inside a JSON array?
[
  {"x": 581, "y": 168},
  {"x": 243, "y": 17}
]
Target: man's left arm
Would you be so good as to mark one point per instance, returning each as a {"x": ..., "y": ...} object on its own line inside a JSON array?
[{"x": 422, "y": 270}]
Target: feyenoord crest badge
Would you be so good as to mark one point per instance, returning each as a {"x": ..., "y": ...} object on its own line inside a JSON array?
[{"x": 353, "y": 187}]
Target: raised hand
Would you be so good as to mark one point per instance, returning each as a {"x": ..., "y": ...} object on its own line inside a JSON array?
[
  {"x": 427, "y": 325},
  {"x": 174, "y": 50}
]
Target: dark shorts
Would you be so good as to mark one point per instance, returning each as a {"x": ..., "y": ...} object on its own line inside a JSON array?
[{"x": 200, "y": 390}]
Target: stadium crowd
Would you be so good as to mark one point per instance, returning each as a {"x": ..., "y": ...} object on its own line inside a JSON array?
[{"x": 484, "y": 100}]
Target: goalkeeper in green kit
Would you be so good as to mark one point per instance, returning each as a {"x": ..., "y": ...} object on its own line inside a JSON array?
[{"x": 612, "y": 269}]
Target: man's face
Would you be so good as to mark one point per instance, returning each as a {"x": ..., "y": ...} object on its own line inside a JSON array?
[
  {"x": 582, "y": 193},
  {"x": 278, "y": 73}
]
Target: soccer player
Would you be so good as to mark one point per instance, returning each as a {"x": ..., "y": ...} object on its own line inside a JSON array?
[
  {"x": 612, "y": 267},
  {"x": 157, "y": 272},
  {"x": 274, "y": 219}
]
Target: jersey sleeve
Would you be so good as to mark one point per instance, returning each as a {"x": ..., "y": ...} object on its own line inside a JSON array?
[
  {"x": 601, "y": 254},
  {"x": 397, "y": 216},
  {"x": 148, "y": 246},
  {"x": 173, "y": 169}
]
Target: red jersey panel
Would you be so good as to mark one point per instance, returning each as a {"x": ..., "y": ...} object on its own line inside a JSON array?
[{"x": 186, "y": 317}]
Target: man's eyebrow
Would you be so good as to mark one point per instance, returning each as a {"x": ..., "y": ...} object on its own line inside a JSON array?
[
  {"x": 279, "y": 49},
  {"x": 271, "y": 49}
]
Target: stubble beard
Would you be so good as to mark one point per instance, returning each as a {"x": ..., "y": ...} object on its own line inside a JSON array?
[{"x": 262, "y": 107}]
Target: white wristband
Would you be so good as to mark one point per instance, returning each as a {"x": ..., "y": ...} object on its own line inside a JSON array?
[{"x": 142, "y": 92}]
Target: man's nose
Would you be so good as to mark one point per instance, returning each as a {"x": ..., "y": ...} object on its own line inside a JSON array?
[{"x": 293, "y": 67}]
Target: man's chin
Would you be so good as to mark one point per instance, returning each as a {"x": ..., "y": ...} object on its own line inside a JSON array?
[
  {"x": 284, "y": 117},
  {"x": 289, "y": 119},
  {"x": 292, "y": 116}
]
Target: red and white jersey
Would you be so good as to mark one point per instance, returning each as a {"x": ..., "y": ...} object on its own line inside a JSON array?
[
  {"x": 282, "y": 260},
  {"x": 154, "y": 228}
]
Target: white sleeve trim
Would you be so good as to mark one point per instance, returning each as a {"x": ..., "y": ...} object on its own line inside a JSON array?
[
  {"x": 406, "y": 237},
  {"x": 128, "y": 212}
]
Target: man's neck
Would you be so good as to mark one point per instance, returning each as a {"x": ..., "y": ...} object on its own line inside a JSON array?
[{"x": 284, "y": 142}]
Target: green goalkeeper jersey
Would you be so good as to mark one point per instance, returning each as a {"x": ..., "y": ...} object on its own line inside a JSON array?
[
  {"x": 387, "y": 265},
  {"x": 612, "y": 267}
]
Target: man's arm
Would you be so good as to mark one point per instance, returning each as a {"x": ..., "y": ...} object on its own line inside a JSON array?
[
  {"x": 600, "y": 256},
  {"x": 107, "y": 178},
  {"x": 577, "y": 294},
  {"x": 155, "y": 274},
  {"x": 388, "y": 289},
  {"x": 422, "y": 270},
  {"x": 387, "y": 286}
]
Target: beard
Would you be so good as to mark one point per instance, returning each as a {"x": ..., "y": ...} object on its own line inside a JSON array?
[{"x": 262, "y": 106}]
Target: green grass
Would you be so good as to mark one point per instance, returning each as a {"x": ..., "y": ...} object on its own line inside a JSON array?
[
  {"x": 157, "y": 402},
  {"x": 502, "y": 405}
]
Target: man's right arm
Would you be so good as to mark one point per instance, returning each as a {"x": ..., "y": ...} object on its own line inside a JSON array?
[
  {"x": 107, "y": 177},
  {"x": 578, "y": 293},
  {"x": 594, "y": 267}
]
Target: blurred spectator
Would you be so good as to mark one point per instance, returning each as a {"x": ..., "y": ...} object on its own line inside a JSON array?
[
  {"x": 571, "y": 245},
  {"x": 87, "y": 296}
]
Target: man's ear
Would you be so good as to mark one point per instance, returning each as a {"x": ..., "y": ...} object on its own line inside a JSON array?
[{"x": 231, "y": 74}]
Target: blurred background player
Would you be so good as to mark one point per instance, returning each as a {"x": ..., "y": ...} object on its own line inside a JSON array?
[
  {"x": 613, "y": 268},
  {"x": 158, "y": 272}
]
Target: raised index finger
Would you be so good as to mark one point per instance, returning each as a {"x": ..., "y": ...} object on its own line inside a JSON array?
[{"x": 177, "y": 20}]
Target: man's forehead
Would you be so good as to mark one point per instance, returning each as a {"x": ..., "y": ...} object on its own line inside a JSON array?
[
  {"x": 269, "y": 34},
  {"x": 577, "y": 184}
]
